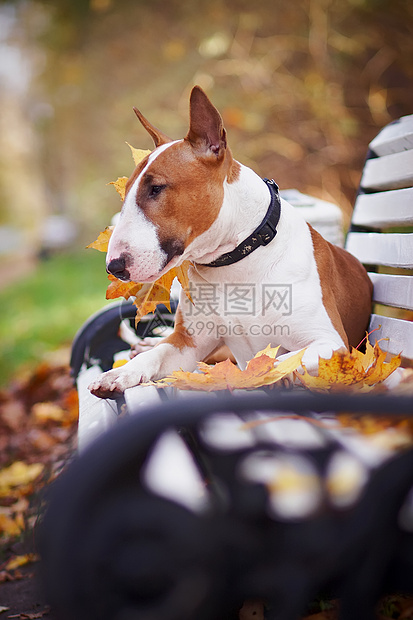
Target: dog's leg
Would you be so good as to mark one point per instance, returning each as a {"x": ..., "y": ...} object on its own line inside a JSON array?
[
  {"x": 180, "y": 350},
  {"x": 149, "y": 365}
]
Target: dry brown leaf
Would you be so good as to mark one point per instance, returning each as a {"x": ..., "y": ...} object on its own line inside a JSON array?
[
  {"x": 147, "y": 296},
  {"x": 117, "y": 288},
  {"x": 35, "y": 615},
  {"x": 101, "y": 243},
  {"x": 260, "y": 371},
  {"x": 371, "y": 424},
  {"x": 351, "y": 370}
]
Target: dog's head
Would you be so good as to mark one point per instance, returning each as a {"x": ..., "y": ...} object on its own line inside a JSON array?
[{"x": 172, "y": 197}]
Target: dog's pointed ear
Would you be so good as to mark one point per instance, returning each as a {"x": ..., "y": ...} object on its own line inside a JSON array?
[
  {"x": 157, "y": 136},
  {"x": 206, "y": 129}
]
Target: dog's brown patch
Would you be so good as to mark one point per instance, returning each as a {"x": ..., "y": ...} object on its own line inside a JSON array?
[
  {"x": 346, "y": 288},
  {"x": 181, "y": 212},
  {"x": 180, "y": 337}
]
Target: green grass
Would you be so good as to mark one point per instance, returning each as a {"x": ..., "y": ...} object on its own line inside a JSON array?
[{"x": 43, "y": 311}]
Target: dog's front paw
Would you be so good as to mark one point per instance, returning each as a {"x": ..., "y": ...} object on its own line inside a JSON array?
[{"x": 113, "y": 383}]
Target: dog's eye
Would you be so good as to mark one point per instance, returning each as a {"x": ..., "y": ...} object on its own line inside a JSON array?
[{"x": 155, "y": 190}]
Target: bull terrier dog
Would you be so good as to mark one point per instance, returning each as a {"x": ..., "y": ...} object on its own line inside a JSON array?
[{"x": 260, "y": 273}]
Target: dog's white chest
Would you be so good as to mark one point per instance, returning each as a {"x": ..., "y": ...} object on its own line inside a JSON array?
[{"x": 271, "y": 297}]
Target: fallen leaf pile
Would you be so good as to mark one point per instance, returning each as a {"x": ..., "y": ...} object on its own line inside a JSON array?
[
  {"x": 38, "y": 423},
  {"x": 146, "y": 296},
  {"x": 349, "y": 371}
]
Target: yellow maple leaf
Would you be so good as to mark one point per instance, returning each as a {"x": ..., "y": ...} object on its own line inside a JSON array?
[
  {"x": 149, "y": 295},
  {"x": 101, "y": 243},
  {"x": 120, "y": 186},
  {"x": 117, "y": 288},
  {"x": 120, "y": 183},
  {"x": 18, "y": 474},
  {"x": 21, "y": 560},
  {"x": 351, "y": 370},
  {"x": 138, "y": 154},
  {"x": 11, "y": 526},
  {"x": 379, "y": 370},
  {"x": 260, "y": 371}
]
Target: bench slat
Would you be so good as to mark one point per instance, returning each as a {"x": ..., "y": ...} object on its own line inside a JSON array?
[
  {"x": 384, "y": 209},
  {"x": 398, "y": 334},
  {"x": 96, "y": 415},
  {"x": 394, "y": 138},
  {"x": 392, "y": 250},
  {"x": 393, "y": 290},
  {"x": 139, "y": 397},
  {"x": 393, "y": 171}
]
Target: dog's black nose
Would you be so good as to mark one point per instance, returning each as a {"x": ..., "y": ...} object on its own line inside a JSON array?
[{"x": 117, "y": 267}]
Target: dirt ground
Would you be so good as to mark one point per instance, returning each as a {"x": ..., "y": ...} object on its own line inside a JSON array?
[
  {"x": 22, "y": 596},
  {"x": 38, "y": 422}
]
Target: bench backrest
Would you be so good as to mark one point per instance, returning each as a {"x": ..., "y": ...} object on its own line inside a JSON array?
[{"x": 381, "y": 235}]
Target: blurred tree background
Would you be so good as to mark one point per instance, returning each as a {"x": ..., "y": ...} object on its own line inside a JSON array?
[{"x": 303, "y": 86}]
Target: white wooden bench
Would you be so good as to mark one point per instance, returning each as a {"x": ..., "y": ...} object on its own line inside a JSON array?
[{"x": 385, "y": 203}]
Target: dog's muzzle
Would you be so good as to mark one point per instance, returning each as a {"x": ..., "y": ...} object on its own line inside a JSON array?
[{"x": 117, "y": 267}]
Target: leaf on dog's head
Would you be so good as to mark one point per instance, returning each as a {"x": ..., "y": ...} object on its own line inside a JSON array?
[
  {"x": 120, "y": 186},
  {"x": 101, "y": 243},
  {"x": 138, "y": 154}
]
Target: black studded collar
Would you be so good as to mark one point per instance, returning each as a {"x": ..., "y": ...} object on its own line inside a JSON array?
[{"x": 262, "y": 235}]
